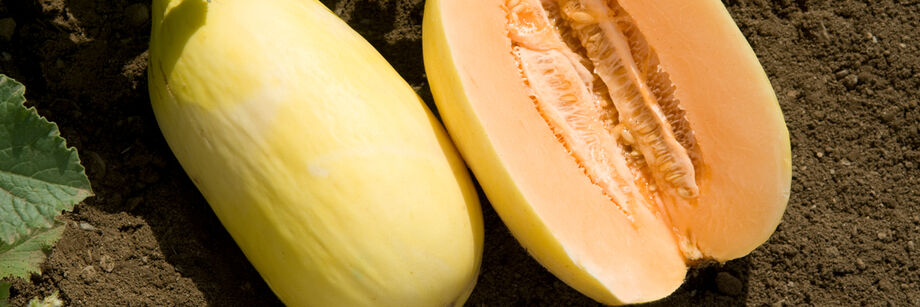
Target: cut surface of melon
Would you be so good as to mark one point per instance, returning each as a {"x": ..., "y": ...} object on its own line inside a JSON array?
[{"x": 619, "y": 140}]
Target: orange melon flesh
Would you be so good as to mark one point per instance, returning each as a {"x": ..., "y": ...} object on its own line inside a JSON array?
[{"x": 618, "y": 166}]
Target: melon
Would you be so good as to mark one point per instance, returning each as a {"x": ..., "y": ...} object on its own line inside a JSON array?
[
  {"x": 337, "y": 183},
  {"x": 621, "y": 141}
]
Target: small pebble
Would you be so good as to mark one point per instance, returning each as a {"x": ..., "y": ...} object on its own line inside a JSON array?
[
  {"x": 842, "y": 73},
  {"x": 833, "y": 251},
  {"x": 106, "y": 263},
  {"x": 882, "y": 236},
  {"x": 910, "y": 245},
  {"x": 728, "y": 284},
  {"x": 87, "y": 226},
  {"x": 88, "y": 274},
  {"x": 885, "y": 285},
  {"x": 890, "y": 115},
  {"x": 850, "y": 81},
  {"x": 818, "y": 114},
  {"x": 7, "y": 28},
  {"x": 820, "y": 154},
  {"x": 860, "y": 264}
]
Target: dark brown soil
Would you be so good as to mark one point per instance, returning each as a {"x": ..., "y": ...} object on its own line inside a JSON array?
[{"x": 846, "y": 72}]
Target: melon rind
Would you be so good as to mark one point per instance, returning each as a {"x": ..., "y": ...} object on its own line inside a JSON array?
[{"x": 337, "y": 183}]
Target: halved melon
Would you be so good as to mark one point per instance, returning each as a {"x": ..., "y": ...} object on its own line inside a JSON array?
[{"x": 620, "y": 140}]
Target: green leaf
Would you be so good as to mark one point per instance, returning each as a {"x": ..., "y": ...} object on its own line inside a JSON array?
[
  {"x": 39, "y": 178},
  {"x": 39, "y": 175},
  {"x": 4, "y": 294},
  {"x": 24, "y": 257}
]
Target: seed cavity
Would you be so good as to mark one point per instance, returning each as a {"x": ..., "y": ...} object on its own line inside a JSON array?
[{"x": 600, "y": 87}]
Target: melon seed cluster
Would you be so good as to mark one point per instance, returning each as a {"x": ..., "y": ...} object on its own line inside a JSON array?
[{"x": 600, "y": 88}]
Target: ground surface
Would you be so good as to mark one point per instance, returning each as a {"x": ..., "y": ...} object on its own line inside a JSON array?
[{"x": 846, "y": 72}]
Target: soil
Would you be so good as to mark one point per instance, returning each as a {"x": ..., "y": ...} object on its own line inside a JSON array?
[{"x": 846, "y": 72}]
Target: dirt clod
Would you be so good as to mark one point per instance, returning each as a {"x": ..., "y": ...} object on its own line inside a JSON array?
[
  {"x": 850, "y": 81},
  {"x": 728, "y": 284},
  {"x": 88, "y": 274},
  {"x": 106, "y": 263}
]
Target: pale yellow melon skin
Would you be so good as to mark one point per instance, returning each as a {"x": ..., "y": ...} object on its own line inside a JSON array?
[{"x": 323, "y": 164}]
